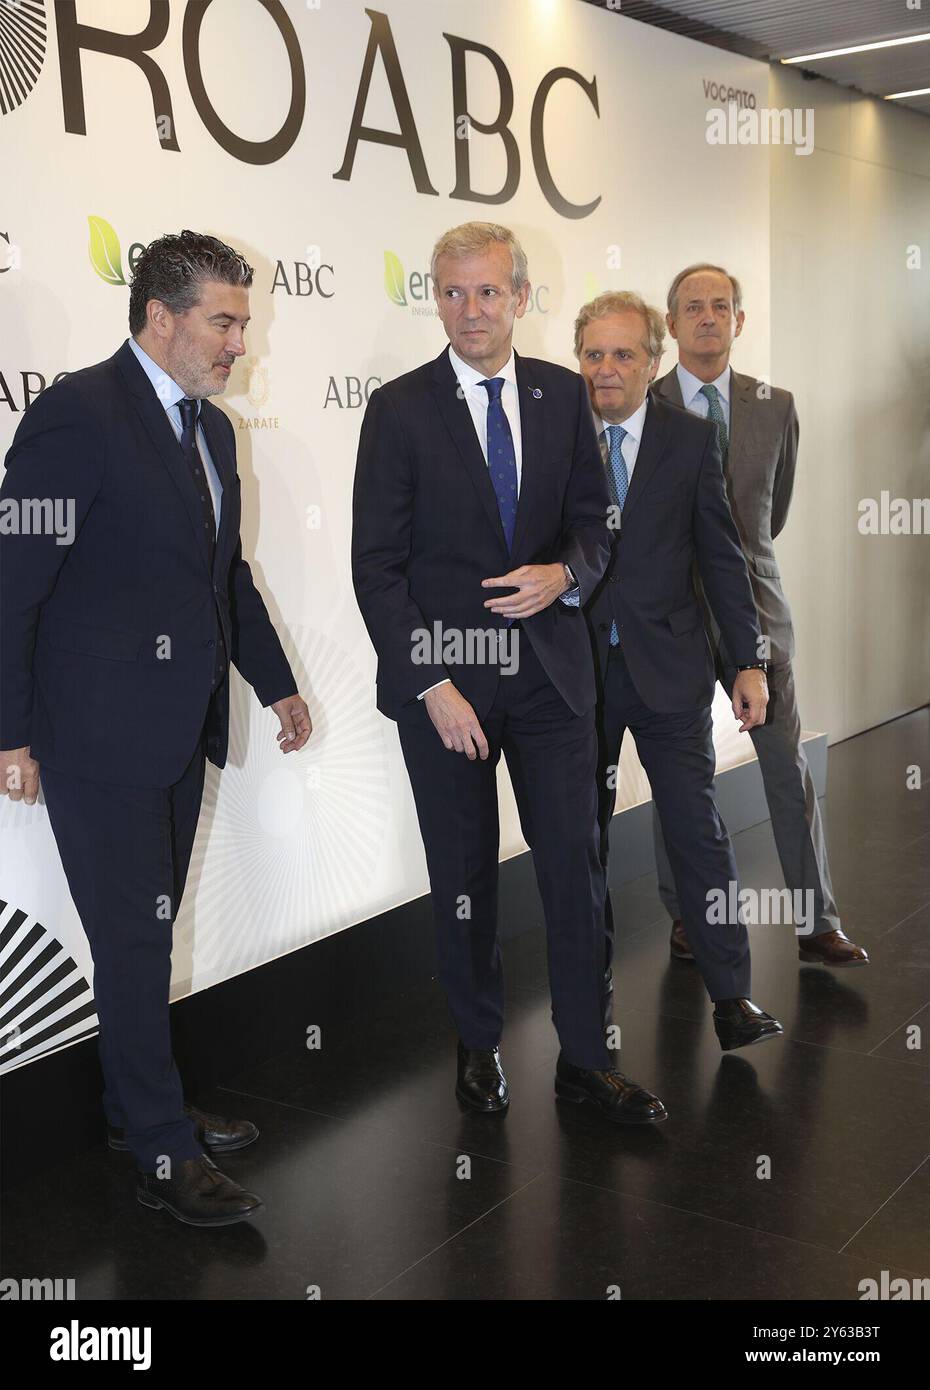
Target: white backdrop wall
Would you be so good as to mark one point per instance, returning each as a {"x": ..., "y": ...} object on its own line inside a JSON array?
[
  {"x": 288, "y": 853},
  {"x": 850, "y": 323}
]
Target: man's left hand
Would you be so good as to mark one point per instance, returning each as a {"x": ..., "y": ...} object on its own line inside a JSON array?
[
  {"x": 750, "y": 697},
  {"x": 538, "y": 585},
  {"x": 295, "y": 723}
]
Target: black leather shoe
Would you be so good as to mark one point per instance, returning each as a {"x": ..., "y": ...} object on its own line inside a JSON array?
[
  {"x": 198, "y": 1194},
  {"x": 678, "y": 945},
  {"x": 614, "y": 1094},
  {"x": 215, "y": 1133},
  {"x": 739, "y": 1022},
  {"x": 481, "y": 1083}
]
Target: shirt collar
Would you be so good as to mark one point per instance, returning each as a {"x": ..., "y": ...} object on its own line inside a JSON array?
[
  {"x": 166, "y": 388},
  {"x": 691, "y": 385},
  {"x": 633, "y": 425},
  {"x": 467, "y": 376}
]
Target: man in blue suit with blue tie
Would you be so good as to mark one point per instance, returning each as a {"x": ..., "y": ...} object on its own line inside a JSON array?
[
  {"x": 670, "y": 517},
  {"x": 480, "y": 502},
  {"x": 114, "y": 678}
]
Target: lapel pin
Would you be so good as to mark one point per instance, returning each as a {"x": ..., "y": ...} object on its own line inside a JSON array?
[{"x": 537, "y": 393}]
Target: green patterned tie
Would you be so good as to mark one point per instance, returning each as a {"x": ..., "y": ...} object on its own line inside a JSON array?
[{"x": 715, "y": 412}]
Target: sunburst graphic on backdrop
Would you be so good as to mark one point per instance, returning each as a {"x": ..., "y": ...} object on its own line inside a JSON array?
[
  {"x": 22, "y": 50},
  {"x": 45, "y": 1000},
  {"x": 286, "y": 842}
]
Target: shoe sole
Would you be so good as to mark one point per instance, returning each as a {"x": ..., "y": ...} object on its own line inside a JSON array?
[
  {"x": 483, "y": 1109},
  {"x": 750, "y": 1042},
  {"x": 121, "y": 1147},
  {"x": 576, "y": 1096},
  {"x": 809, "y": 959},
  {"x": 157, "y": 1203}
]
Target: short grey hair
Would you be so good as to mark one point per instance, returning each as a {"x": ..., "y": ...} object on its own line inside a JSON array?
[
  {"x": 620, "y": 302},
  {"x": 473, "y": 237},
  {"x": 173, "y": 269},
  {"x": 672, "y": 299}
]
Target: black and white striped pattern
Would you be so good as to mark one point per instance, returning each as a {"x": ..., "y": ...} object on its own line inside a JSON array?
[
  {"x": 44, "y": 999},
  {"x": 22, "y": 50}
]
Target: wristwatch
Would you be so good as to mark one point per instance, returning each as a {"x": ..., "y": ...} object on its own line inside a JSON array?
[
  {"x": 755, "y": 666},
  {"x": 572, "y": 581}
]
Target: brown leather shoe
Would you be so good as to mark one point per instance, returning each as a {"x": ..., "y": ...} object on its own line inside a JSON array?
[
  {"x": 831, "y": 948},
  {"x": 213, "y": 1131},
  {"x": 678, "y": 942},
  {"x": 198, "y": 1194}
]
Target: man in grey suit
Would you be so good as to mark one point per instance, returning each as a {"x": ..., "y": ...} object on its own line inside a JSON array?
[{"x": 758, "y": 430}]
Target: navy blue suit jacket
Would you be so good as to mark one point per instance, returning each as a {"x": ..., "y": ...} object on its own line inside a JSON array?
[
  {"x": 87, "y": 680},
  {"x": 676, "y": 518},
  {"x": 427, "y": 527}
]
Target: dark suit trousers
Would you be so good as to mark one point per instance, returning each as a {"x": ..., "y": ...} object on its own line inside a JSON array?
[
  {"x": 793, "y": 806},
  {"x": 677, "y": 753},
  {"x": 551, "y": 756},
  {"x": 126, "y": 852}
]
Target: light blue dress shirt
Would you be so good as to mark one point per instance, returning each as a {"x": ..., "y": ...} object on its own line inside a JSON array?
[
  {"x": 169, "y": 393},
  {"x": 698, "y": 404}
]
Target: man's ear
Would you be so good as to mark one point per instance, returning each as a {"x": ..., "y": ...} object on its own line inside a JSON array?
[
  {"x": 740, "y": 320},
  {"x": 670, "y": 324},
  {"x": 523, "y": 295}
]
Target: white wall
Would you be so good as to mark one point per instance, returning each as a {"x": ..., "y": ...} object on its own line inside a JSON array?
[{"x": 850, "y": 335}]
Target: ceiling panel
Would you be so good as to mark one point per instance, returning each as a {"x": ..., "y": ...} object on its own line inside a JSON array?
[{"x": 773, "y": 29}]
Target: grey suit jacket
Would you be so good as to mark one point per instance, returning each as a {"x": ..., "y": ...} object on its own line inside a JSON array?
[{"x": 759, "y": 472}]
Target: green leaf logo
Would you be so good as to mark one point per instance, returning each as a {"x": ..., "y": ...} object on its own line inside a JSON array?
[
  {"x": 394, "y": 279},
  {"x": 103, "y": 250}
]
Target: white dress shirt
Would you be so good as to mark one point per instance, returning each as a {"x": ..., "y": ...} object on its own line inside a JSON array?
[
  {"x": 476, "y": 398},
  {"x": 691, "y": 393}
]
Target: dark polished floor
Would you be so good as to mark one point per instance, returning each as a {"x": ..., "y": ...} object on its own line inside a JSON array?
[{"x": 377, "y": 1186}]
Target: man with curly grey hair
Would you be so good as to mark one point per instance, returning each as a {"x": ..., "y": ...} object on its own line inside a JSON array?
[{"x": 115, "y": 676}]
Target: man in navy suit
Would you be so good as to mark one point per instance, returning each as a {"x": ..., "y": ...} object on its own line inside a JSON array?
[
  {"x": 115, "y": 673},
  {"x": 669, "y": 512},
  {"x": 480, "y": 500}
]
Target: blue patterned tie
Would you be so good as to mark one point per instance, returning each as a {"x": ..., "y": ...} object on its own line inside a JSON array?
[
  {"x": 619, "y": 487},
  {"x": 715, "y": 412},
  {"x": 502, "y": 461}
]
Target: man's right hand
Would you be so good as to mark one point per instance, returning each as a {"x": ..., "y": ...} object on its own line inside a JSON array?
[
  {"x": 19, "y": 776},
  {"x": 455, "y": 721}
]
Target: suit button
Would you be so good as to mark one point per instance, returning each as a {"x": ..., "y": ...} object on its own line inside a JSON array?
[{"x": 211, "y": 643}]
